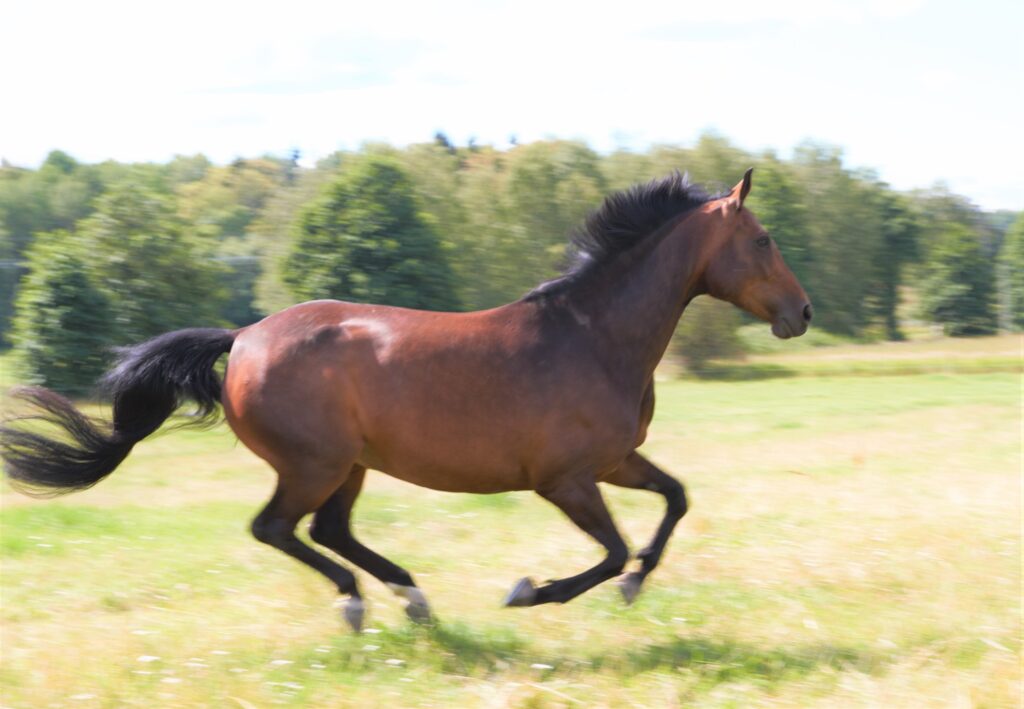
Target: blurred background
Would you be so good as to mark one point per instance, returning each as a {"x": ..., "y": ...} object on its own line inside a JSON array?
[
  {"x": 113, "y": 253},
  {"x": 855, "y": 539}
]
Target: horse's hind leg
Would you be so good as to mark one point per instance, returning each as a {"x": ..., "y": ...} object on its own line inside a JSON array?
[
  {"x": 639, "y": 473},
  {"x": 581, "y": 501},
  {"x": 332, "y": 527},
  {"x": 295, "y": 497}
]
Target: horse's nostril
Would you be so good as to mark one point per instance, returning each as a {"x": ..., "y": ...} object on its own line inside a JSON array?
[{"x": 808, "y": 312}]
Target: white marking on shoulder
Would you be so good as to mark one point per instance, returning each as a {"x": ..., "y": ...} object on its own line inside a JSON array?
[
  {"x": 363, "y": 326},
  {"x": 376, "y": 332}
]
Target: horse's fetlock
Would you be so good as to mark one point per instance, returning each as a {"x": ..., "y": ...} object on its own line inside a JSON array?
[{"x": 618, "y": 557}]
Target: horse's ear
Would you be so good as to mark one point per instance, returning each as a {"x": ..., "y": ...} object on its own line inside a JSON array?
[{"x": 742, "y": 189}]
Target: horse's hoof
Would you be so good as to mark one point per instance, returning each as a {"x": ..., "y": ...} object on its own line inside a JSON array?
[
  {"x": 629, "y": 586},
  {"x": 417, "y": 608},
  {"x": 419, "y": 613},
  {"x": 354, "y": 611},
  {"x": 523, "y": 594}
]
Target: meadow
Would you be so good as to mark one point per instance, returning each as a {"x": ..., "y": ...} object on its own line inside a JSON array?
[{"x": 854, "y": 540}]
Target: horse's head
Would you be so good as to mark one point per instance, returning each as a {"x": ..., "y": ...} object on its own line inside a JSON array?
[{"x": 746, "y": 268}]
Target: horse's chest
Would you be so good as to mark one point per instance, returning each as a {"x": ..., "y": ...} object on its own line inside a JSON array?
[{"x": 615, "y": 429}]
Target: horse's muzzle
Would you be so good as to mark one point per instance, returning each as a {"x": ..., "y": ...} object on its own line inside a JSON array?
[{"x": 793, "y": 325}]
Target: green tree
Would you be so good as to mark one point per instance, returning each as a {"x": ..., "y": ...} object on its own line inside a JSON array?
[
  {"x": 1011, "y": 273},
  {"x": 438, "y": 171},
  {"x": 242, "y": 266},
  {"x": 11, "y": 272},
  {"x": 845, "y": 239},
  {"x": 55, "y": 196},
  {"x": 226, "y": 200},
  {"x": 487, "y": 253},
  {"x": 706, "y": 332},
  {"x": 897, "y": 247},
  {"x": 434, "y": 170},
  {"x": 548, "y": 189},
  {"x": 157, "y": 275},
  {"x": 499, "y": 220},
  {"x": 63, "y": 325},
  {"x": 365, "y": 239},
  {"x": 187, "y": 168},
  {"x": 714, "y": 162},
  {"x": 270, "y": 235},
  {"x": 957, "y": 272},
  {"x": 958, "y": 289},
  {"x": 222, "y": 208},
  {"x": 59, "y": 161},
  {"x": 779, "y": 203},
  {"x": 623, "y": 169}
]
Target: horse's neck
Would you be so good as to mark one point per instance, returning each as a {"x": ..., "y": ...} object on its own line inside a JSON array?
[{"x": 638, "y": 305}]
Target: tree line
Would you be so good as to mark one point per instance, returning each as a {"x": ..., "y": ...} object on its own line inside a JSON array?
[{"x": 94, "y": 255}]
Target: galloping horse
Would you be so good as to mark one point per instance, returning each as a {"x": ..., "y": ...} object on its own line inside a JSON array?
[{"x": 551, "y": 393}]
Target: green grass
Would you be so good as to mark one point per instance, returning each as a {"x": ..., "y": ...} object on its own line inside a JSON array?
[
  {"x": 853, "y": 541},
  {"x": 819, "y": 354}
]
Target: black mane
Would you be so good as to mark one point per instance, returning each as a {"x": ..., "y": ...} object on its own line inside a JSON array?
[{"x": 624, "y": 220}]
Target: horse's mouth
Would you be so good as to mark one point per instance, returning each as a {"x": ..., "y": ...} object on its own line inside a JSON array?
[{"x": 783, "y": 329}]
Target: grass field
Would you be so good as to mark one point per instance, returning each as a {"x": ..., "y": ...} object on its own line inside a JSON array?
[{"x": 854, "y": 541}]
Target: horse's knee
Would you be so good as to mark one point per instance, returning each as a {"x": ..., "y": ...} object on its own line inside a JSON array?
[{"x": 675, "y": 496}]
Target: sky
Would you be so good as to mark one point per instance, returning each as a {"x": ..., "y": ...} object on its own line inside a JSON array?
[{"x": 920, "y": 91}]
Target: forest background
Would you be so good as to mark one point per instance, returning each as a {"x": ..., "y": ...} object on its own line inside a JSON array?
[{"x": 96, "y": 255}]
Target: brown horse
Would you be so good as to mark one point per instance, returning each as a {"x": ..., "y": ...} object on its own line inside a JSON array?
[{"x": 552, "y": 393}]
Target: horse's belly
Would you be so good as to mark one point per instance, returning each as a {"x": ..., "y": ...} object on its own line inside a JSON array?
[
  {"x": 450, "y": 473},
  {"x": 457, "y": 453},
  {"x": 455, "y": 425}
]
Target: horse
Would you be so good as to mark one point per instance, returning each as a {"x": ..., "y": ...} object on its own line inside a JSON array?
[{"x": 552, "y": 393}]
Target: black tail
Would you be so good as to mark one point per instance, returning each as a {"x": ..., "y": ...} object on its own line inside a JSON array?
[{"x": 148, "y": 383}]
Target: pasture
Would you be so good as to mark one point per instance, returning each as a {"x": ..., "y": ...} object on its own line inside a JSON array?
[{"x": 853, "y": 540}]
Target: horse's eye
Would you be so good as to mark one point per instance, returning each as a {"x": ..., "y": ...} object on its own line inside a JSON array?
[{"x": 763, "y": 241}]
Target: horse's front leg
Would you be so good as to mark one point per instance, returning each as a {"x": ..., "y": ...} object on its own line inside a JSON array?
[
  {"x": 641, "y": 474},
  {"x": 581, "y": 501}
]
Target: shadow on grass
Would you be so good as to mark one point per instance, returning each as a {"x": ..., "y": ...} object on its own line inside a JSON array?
[
  {"x": 449, "y": 648},
  {"x": 459, "y": 649},
  {"x": 747, "y": 371},
  {"x": 724, "y": 660},
  {"x": 473, "y": 648},
  {"x": 727, "y": 372}
]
